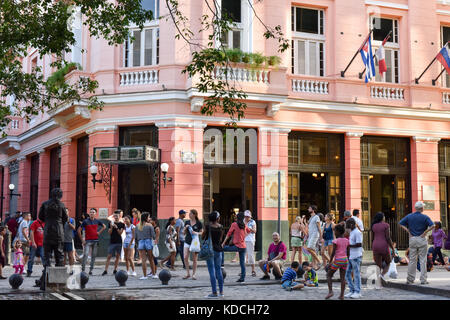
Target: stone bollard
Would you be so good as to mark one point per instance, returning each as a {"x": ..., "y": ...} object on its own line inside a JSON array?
[
  {"x": 165, "y": 276},
  {"x": 15, "y": 280},
  {"x": 57, "y": 278},
  {"x": 121, "y": 277}
]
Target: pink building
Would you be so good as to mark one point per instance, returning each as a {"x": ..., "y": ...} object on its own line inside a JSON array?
[{"x": 340, "y": 143}]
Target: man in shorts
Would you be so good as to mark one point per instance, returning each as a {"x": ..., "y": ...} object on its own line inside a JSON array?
[
  {"x": 115, "y": 243},
  {"x": 276, "y": 258},
  {"x": 314, "y": 235},
  {"x": 69, "y": 228}
]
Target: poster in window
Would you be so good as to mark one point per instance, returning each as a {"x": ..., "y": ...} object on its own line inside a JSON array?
[{"x": 271, "y": 188}]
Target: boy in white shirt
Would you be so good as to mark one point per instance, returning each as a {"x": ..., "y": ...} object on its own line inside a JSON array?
[{"x": 354, "y": 261}]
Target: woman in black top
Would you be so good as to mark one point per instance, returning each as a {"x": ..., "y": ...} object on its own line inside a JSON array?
[
  {"x": 214, "y": 269},
  {"x": 195, "y": 226}
]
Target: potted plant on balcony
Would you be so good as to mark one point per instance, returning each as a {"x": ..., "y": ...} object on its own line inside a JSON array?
[
  {"x": 56, "y": 80},
  {"x": 257, "y": 59},
  {"x": 273, "y": 61},
  {"x": 234, "y": 55}
]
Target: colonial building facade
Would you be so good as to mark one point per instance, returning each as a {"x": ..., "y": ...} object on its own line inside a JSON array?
[{"x": 338, "y": 142}]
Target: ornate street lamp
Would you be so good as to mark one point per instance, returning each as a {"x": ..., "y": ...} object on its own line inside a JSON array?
[
  {"x": 11, "y": 191},
  {"x": 164, "y": 169},
  {"x": 94, "y": 170}
]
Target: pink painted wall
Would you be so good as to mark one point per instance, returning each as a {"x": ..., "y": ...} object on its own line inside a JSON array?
[
  {"x": 68, "y": 180},
  {"x": 352, "y": 172},
  {"x": 23, "y": 203},
  {"x": 44, "y": 177}
]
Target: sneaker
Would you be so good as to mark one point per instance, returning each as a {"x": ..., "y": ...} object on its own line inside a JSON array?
[
  {"x": 265, "y": 278},
  {"x": 150, "y": 274},
  {"x": 104, "y": 273},
  {"x": 278, "y": 278},
  {"x": 28, "y": 274},
  {"x": 212, "y": 296},
  {"x": 115, "y": 271},
  {"x": 155, "y": 277},
  {"x": 409, "y": 282},
  {"x": 134, "y": 274},
  {"x": 90, "y": 273},
  {"x": 143, "y": 278},
  {"x": 128, "y": 272},
  {"x": 240, "y": 280},
  {"x": 424, "y": 282},
  {"x": 355, "y": 296},
  {"x": 383, "y": 277},
  {"x": 221, "y": 295},
  {"x": 348, "y": 295},
  {"x": 289, "y": 289}
]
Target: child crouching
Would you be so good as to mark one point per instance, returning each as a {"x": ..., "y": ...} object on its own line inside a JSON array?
[
  {"x": 311, "y": 278},
  {"x": 288, "y": 279}
]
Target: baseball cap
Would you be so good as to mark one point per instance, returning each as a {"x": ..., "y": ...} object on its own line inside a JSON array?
[
  {"x": 247, "y": 213},
  {"x": 181, "y": 212}
]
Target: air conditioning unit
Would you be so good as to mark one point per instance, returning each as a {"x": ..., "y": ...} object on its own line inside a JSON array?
[
  {"x": 105, "y": 154},
  {"x": 151, "y": 154},
  {"x": 132, "y": 153}
]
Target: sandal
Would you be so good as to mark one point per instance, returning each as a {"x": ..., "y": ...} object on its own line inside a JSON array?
[
  {"x": 253, "y": 274},
  {"x": 194, "y": 278},
  {"x": 186, "y": 277}
]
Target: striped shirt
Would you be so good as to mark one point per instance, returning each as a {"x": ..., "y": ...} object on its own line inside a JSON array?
[{"x": 289, "y": 275}]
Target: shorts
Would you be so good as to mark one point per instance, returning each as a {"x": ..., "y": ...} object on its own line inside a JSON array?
[
  {"x": 145, "y": 244},
  {"x": 115, "y": 249},
  {"x": 289, "y": 284},
  {"x": 312, "y": 242},
  {"x": 186, "y": 245},
  {"x": 327, "y": 243},
  {"x": 25, "y": 248},
  {"x": 279, "y": 262},
  {"x": 127, "y": 245},
  {"x": 339, "y": 263},
  {"x": 311, "y": 283},
  {"x": 174, "y": 247},
  {"x": 296, "y": 242},
  {"x": 68, "y": 247}
]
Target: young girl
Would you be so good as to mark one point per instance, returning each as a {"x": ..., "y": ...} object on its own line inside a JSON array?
[
  {"x": 338, "y": 260},
  {"x": 155, "y": 225},
  {"x": 170, "y": 243},
  {"x": 128, "y": 245},
  {"x": 18, "y": 257}
]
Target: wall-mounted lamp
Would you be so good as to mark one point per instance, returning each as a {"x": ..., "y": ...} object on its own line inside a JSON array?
[
  {"x": 164, "y": 169},
  {"x": 94, "y": 170},
  {"x": 11, "y": 191}
]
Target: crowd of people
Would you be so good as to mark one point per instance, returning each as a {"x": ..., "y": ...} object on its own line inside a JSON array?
[{"x": 317, "y": 242}]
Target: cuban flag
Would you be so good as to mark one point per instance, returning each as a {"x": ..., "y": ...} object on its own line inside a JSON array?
[
  {"x": 443, "y": 58},
  {"x": 367, "y": 57}
]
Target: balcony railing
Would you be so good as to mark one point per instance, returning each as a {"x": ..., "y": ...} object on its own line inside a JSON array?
[
  {"x": 139, "y": 77},
  {"x": 310, "y": 86},
  {"x": 242, "y": 74},
  {"x": 388, "y": 93},
  {"x": 446, "y": 97}
]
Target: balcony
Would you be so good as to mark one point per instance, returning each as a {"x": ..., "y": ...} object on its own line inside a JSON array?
[
  {"x": 446, "y": 97},
  {"x": 242, "y": 74},
  {"x": 309, "y": 86},
  {"x": 387, "y": 92},
  {"x": 136, "y": 77}
]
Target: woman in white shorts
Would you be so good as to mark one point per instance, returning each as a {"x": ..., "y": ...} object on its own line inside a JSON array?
[
  {"x": 128, "y": 245},
  {"x": 170, "y": 243}
]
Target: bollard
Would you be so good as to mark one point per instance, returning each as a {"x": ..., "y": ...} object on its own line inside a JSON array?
[
  {"x": 165, "y": 276},
  {"x": 121, "y": 277},
  {"x": 15, "y": 280},
  {"x": 84, "y": 278}
]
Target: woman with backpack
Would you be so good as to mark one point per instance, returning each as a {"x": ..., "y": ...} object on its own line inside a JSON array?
[{"x": 215, "y": 231}]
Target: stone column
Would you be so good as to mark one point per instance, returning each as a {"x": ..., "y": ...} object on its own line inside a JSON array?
[
  {"x": 425, "y": 173},
  {"x": 6, "y": 190},
  {"x": 273, "y": 156},
  {"x": 24, "y": 184},
  {"x": 352, "y": 156},
  {"x": 68, "y": 180},
  {"x": 44, "y": 176}
]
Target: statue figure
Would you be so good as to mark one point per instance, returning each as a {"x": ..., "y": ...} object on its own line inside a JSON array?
[{"x": 54, "y": 214}]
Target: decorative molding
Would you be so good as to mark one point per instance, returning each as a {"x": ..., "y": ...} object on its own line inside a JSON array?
[
  {"x": 271, "y": 129},
  {"x": 14, "y": 145},
  {"x": 196, "y": 104},
  {"x": 272, "y": 109},
  {"x": 101, "y": 129},
  {"x": 65, "y": 141},
  {"x": 387, "y": 4},
  {"x": 40, "y": 151},
  {"x": 82, "y": 111},
  {"x": 354, "y": 134},
  {"x": 21, "y": 158},
  {"x": 444, "y": 2},
  {"x": 426, "y": 139},
  {"x": 443, "y": 12},
  {"x": 194, "y": 125}
]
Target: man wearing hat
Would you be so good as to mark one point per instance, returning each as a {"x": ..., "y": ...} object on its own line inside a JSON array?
[
  {"x": 179, "y": 227},
  {"x": 250, "y": 240}
]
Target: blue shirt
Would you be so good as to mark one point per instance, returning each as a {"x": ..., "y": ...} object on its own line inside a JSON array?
[
  {"x": 417, "y": 223},
  {"x": 289, "y": 275}
]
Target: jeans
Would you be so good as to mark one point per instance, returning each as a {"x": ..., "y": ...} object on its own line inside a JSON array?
[
  {"x": 241, "y": 251},
  {"x": 40, "y": 252},
  {"x": 89, "y": 244},
  {"x": 354, "y": 265},
  {"x": 437, "y": 252},
  {"x": 215, "y": 271}
]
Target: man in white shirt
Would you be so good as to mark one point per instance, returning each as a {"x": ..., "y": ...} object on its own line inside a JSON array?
[
  {"x": 354, "y": 260},
  {"x": 314, "y": 235},
  {"x": 250, "y": 240},
  {"x": 359, "y": 223}
]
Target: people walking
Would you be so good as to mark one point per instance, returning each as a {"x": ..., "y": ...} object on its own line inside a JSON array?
[
  {"x": 338, "y": 260},
  {"x": 136, "y": 216},
  {"x": 417, "y": 225},
  {"x": 69, "y": 229},
  {"x": 2, "y": 251},
  {"x": 115, "y": 231},
  {"x": 359, "y": 223},
  {"x": 238, "y": 231},
  {"x": 250, "y": 240},
  {"x": 37, "y": 242},
  {"x": 155, "y": 250},
  {"x": 23, "y": 234},
  {"x": 193, "y": 228},
  {"x": 145, "y": 233},
  {"x": 19, "y": 261},
  {"x": 297, "y": 235},
  {"x": 170, "y": 239},
  {"x": 129, "y": 244},
  {"x": 354, "y": 259},
  {"x": 380, "y": 246},
  {"x": 314, "y": 235},
  {"x": 438, "y": 236},
  {"x": 215, "y": 230},
  {"x": 328, "y": 237},
  {"x": 179, "y": 228},
  {"x": 90, "y": 241}
]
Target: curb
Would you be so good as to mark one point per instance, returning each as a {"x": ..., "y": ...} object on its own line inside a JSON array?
[{"x": 418, "y": 288}]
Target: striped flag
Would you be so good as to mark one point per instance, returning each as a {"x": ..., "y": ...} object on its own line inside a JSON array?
[
  {"x": 381, "y": 56},
  {"x": 443, "y": 57},
  {"x": 367, "y": 57}
]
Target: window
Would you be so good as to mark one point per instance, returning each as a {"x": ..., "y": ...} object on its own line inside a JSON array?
[
  {"x": 232, "y": 9},
  {"x": 144, "y": 50},
  {"x": 55, "y": 168},
  {"x": 152, "y": 5},
  {"x": 382, "y": 27},
  {"x": 445, "y": 36},
  {"x": 75, "y": 53},
  {"x": 308, "y": 45}
]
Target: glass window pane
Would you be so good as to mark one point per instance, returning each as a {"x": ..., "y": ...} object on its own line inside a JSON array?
[
  {"x": 388, "y": 58},
  {"x": 236, "y": 39},
  {"x": 232, "y": 9},
  {"x": 382, "y": 153},
  {"x": 137, "y": 49},
  {"x": 313, "y": 58},
  {"x": 301, "y": 57},
  {"x": 321, "y": 61},
  {"x": 309, "y": 20},
  {"x": 224, "y": 39},
  {"x": 148, "y": 52},
  {"x": 313, "y": 150},
  {"x": 298, "y": 20},
  {"x": 382, "y": 27},
  {"x": 149, "y": 5},
  {"x": 445, "y": 35}
]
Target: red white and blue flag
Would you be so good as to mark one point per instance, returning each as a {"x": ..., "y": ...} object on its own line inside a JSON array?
[
  {"x": 443, "y": 58},
  {"x": 367, "y": 57}
]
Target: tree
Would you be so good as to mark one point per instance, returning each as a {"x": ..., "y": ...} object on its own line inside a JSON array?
[{"x": 43, "y": 25}]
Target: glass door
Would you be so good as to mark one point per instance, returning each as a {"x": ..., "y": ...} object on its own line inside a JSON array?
[
  {"x": 334, "y": 194},
  {"x": 365, "y": 210},
  {"x": 397, "y": 233},
  {"x": 207, "y": 193},
  {"x": 443, "y": 198}
]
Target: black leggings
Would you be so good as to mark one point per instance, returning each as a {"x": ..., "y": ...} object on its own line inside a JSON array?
[{"x": 437, "y": 252}]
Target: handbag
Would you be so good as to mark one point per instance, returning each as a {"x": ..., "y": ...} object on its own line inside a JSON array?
[
  {"x": 155, "y": 250},
  {"x": 206, "y": 250}
]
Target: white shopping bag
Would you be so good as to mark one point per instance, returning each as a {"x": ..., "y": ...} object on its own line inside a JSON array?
[{"x": 392, "y": 272}]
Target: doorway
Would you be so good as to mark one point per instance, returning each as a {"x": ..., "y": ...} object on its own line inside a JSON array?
[
  {"x": 313, "y": 191},
  {"x": 136, "y": 189},
  {"x": 444, "y": 197}
]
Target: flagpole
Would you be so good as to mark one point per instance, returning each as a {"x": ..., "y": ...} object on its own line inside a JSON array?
[
  {"x": 417, "y": 79},
  {"x": 433, "y": 82},
  {"x": 383, "y": 43},
  {"x": 345, "y": 70}
]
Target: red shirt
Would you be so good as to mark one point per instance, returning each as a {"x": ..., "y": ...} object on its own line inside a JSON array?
[
  {"x": 238, "y": 235},
  {"x": 38, "y": 231}
]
